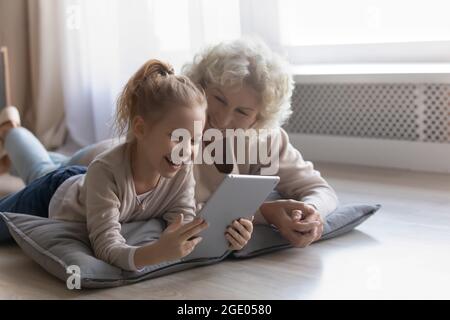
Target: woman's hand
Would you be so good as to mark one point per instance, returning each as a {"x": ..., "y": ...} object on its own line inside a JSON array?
[
  {"x": 300, "y": 223},
  {"x": 239, "y": 233}
]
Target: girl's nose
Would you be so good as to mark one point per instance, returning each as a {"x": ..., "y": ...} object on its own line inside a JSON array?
[
  {"x": 189, "y": 153},
  {"x": 189, "y": 150}
]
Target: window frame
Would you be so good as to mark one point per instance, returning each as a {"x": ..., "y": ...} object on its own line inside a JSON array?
[{"x": 254, "y": 20}]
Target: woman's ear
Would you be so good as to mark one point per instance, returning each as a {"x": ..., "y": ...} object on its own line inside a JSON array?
[{"x": 138, "y": 127}]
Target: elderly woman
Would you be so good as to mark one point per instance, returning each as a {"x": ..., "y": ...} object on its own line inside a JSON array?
[{"x": 248, "y": 87}]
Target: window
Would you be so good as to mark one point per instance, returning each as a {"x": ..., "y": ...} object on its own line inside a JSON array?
[
  {"x": 324, "y": 22},
  {"x": 351, "y": 31}
]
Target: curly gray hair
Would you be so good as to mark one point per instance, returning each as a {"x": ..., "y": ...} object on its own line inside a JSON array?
[{"x": 247, "y": 61}]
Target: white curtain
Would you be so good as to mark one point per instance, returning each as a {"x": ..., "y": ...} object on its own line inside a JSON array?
[{"x": 105, "y": 41}]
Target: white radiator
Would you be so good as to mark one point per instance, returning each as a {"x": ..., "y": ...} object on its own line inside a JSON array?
[{"x": 401, "y": 125}]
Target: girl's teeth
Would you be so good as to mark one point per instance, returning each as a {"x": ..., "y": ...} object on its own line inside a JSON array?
[{"x": 173, "y": 164}]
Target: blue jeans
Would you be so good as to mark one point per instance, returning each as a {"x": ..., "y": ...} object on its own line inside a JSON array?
[
  {"x": 35, "y": 198},
  {"x": 42, "y": 175},
  {"x": 30, "y": 160}
]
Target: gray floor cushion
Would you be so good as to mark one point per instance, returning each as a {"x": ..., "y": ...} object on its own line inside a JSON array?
[
  {"x": 266, "y": 239},
  {"x": 57, "y": 245}
]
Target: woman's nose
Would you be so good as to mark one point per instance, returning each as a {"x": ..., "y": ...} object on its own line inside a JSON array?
[{"x": 224, "y": 120}]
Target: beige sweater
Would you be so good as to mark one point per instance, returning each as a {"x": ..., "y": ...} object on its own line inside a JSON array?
[
  {"x": 298, "y": 178},
  {"x": 105, "y": 197}
]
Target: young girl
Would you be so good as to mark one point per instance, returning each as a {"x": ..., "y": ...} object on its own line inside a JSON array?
[{"x": 136, "y": 180}]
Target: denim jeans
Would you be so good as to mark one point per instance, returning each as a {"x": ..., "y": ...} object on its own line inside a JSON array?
[
  {"x": 42, "y": 175},
  {"x": 30, "y": 160},
  {"x": 35, "y": 198}
]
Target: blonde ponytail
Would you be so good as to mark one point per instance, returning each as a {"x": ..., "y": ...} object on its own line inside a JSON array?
[{"x": 149, "y": 90}]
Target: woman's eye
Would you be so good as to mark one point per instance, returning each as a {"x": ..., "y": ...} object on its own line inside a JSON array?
[
  {"x": 220, "y": 99},
  {"x": 242, "y": 112}
]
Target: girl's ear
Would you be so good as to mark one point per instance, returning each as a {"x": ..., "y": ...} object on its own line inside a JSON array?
[{"x": 138, "y": 127}]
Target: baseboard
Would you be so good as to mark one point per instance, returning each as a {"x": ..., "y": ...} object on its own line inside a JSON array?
[{"x": 418, "y": 156}]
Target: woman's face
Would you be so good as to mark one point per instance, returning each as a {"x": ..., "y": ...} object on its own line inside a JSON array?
[{"x": 230, "y": 108}]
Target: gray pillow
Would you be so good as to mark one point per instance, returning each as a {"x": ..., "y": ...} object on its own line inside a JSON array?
[
  {"x": 56, "y": 245},
  {"x": 266, "y": 238}
]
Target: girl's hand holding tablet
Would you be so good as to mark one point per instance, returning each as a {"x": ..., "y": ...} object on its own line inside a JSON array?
[
  {"x": 239, "y": 233},
  {"x": 176, "y": 241}
]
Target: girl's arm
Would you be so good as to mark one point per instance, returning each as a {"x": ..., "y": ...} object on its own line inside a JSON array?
[
  {"x": 104, "y": 228},
  {"x": 238, "y": 233},
  {"x": 183, "y": 196},
  {"x": 102, "y": 218}
]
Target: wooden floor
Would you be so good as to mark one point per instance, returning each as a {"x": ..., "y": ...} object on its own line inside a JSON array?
[{"x": 401, "y": 252}]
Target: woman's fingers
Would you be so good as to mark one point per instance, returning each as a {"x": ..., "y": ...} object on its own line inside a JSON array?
[
  {"x": 298, "y": 222},
  {"x": 315, "y": 217},
  {"x": 318, "y": 233},
  {"x": 297, "y": 205},
  {"x": 292, "y": 236},
  {"x": 284, "y": 217},
  {"x": 299, "y": 240},
  {"x": 311, "y": 214},
  {"x": 303, "y": 233},
  {"x": 305, "y": 227},
  {"x": 296, "y": 215}
]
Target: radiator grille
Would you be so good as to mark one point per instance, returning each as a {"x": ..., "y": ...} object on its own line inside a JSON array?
[{"x": 411, "y": 112}]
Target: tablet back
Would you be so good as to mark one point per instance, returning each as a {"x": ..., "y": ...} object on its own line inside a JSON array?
[{"x": 238, "y": 196}]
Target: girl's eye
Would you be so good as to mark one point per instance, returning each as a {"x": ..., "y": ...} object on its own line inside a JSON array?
[{"x": 175, "y": 139}]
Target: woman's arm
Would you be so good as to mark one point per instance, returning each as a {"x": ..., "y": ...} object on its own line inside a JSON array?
[
  {"x": 300, "y": 181},
  {"x": 308, "y": 197}
]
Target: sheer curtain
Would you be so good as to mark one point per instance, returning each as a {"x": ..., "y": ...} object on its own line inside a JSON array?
[
  {"x": 83, "y": 51},
  {"x": 104, "y": 41}
]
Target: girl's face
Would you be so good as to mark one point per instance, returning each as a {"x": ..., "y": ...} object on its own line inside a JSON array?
[
  {"x": 154, "y": 139},
  {"x": 232, "y": 109}
]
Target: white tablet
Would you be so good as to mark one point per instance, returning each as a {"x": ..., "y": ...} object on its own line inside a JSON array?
[{"x": 238, "y": 196}]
